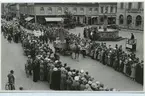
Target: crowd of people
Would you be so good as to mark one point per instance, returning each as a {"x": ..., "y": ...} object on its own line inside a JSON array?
[{"x": 45, "y": 64}]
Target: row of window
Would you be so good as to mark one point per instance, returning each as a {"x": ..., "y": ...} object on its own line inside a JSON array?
[
  {"x": 59, "y": 9},
  {"x": 139, "y": 6},
  {"x": 129, "y": 20}
]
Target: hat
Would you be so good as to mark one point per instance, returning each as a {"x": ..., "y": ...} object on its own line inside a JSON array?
[
  {"x": 82, "y": 71},
  {"x": 94, "y": 85},
  {"x": 62, "y": 69},
  {"x": 89, "y": 82},
  {"x": 129, "y": 59},
  {"x": 73, "y": 72},
  {"x": 29, "y": 56},
  {"x": 97, "y": 82},
  {"x": 55, "y": 69},
  {"x": 56, "y": 61},
  {"x": 76, "y": 78},
  {"x": 69, "y": 73},
  {"x": 87, "y": 86}
]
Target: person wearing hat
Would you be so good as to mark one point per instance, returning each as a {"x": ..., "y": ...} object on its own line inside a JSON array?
[
  {"x": 75, "y": 83},
  {"x": 11, "y": 80},
  {"x": 138, "y": 73},
  {"x": 133, "y": 69},
  {"x": 56, "y": 76},
  {"x": 88, "y": 87},
  {"x": 36, "y": 70},
  {"x": 69, "y": 82},
  {"x": 128, "y": 67},
  {"x": 82, "y": 85},
  {"x": 50, "y": 67},
  {"x": 29, "y": 62},
  {"x": 41, "y": 70},
  {"x": 46, "y": 69}
]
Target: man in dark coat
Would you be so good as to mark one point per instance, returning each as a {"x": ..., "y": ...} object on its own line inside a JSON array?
[
  {"x": 141, "y": 74},
  {"x": 84, "y": 33},
  {"x": 138, "y": 71},
  {"x": 56, "y": 75}
]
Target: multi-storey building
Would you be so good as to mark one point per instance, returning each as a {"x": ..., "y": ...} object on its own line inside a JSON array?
[
  {"x": 4, "y": 8},
  {"x": 88, "y": 13},
  {"x": 130, "y": 15},
  {"x": 12, "y": 9}
]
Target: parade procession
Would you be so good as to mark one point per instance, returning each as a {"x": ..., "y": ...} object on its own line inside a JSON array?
[{"x": 44, "y": 46}]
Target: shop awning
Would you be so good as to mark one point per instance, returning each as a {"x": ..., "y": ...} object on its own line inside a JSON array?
[
  {"x": 53, "y": 19},
  {"x": 29, "y": 18}
]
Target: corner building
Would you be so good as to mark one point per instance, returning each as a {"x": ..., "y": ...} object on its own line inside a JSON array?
[{"x": 130, "y": 15}]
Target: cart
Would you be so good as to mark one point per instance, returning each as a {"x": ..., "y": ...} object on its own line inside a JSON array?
[
  {"x": 61, "y": 47},
  {"x": 131, "y": 44}
]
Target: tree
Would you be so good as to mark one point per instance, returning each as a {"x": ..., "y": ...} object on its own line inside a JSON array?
[{"x": 68, "y": 19}]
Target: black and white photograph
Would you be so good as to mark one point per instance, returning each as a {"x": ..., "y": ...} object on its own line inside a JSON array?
[{"x": 72, "y": 46}]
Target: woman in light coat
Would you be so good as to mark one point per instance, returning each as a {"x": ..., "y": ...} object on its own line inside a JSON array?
[{"x": 133, "y": 71}]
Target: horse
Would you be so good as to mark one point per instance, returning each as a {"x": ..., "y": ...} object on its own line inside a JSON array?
[{"x": 75, "y": 50}]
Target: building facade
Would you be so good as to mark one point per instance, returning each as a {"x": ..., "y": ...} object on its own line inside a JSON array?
[
  {"x": 11, "y": 9},
  {"x": 130, "y": 15},
  {"x": 110, "y": 10},
  {"x": 87, "y": 13},
  {"x": 4, "y": 8}
]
